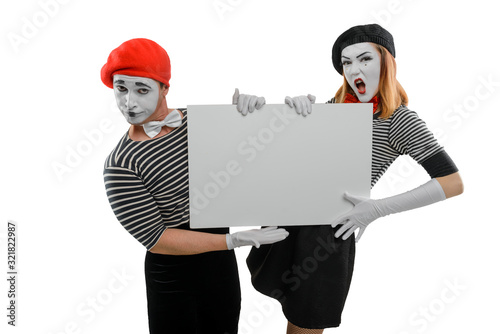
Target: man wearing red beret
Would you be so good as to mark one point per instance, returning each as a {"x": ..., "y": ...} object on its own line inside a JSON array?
[{"x": 192, "y": 280}]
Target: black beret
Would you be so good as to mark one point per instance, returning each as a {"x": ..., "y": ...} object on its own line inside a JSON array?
[{"x": 361, "y": 34}]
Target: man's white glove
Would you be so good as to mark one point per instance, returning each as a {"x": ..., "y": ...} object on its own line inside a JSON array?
[
  {"x": 257, "y": 237},
  {"x": 247, "y": 103},
  {"x": 367, "y": 210},
  {"x": 302, "y": 103}
]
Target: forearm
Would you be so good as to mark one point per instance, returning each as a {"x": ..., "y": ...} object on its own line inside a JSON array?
[
  {"x": 367, "y": 210},
  {"x": 426, "y": 194},
  {"x": 183, "y": 242}
]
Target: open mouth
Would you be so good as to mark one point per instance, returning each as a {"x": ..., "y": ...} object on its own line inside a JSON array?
[{"x": 360, "y": 85}]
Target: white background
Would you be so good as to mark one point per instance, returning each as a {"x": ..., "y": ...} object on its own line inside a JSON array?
[{"x": 71, "y": 247}]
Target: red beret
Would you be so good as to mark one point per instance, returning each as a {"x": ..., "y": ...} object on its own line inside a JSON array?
[{"x": 138, "y": 57}]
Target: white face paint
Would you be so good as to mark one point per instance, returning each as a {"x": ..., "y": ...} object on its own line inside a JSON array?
[
  {"x": 137, "y": 97},
  {"x": 361, "y": 63}
]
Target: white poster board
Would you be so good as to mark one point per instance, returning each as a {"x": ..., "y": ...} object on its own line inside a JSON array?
[{"x": 274, "y": 167}]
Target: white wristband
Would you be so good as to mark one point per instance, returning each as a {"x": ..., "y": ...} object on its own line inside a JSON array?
[{"x": 229, "y": 242}]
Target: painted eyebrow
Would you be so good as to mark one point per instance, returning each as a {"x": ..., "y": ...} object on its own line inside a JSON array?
[
  {"x": 363, "y": 54},
  {"x": 140, "y": 84}
]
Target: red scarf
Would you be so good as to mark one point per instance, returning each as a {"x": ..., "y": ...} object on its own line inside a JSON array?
[{"x": 353, "y": 99}]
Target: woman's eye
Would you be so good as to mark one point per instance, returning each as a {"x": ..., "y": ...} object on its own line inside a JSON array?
[
  {"x": 346, "y": 62},
  {"x": 366, "y": 59}
]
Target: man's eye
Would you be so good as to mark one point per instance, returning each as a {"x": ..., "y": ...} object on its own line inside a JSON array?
[
  {"x": 121, "y": 88},
  {"x": 143, "y": 91}
]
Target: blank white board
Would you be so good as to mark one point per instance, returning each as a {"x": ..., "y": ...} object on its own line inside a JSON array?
[{"x": 274, "y": 167}]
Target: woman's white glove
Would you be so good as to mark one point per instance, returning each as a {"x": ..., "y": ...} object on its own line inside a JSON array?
[
  {"x": 302, "y": 103},
  {"x": 247, "y": 103},
  {"x": 367, "y": 210},
  {"x": 257, "y": 237}
]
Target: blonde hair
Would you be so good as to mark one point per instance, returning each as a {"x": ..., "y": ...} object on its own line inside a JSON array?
[{"x": 390, "y": 92}]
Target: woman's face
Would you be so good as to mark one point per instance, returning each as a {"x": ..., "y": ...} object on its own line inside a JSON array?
[
  {"x": 137, "y": 97},
  {"x": 361, "y": 64}
]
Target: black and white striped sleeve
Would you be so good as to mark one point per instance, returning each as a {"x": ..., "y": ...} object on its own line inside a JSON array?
[
  {"x": 133, "y": 205},
  {"x": 409, "y": 135}
]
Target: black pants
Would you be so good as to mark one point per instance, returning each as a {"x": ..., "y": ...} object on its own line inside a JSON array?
[{"x": 193, "y": 294}]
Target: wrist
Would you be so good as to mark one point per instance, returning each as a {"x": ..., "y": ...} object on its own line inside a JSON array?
[
  {"x": 382, "y": 207},
  {"x": 229, "y": 242}
]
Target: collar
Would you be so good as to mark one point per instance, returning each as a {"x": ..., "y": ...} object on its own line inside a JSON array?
[{"x": 349, "y": 98}]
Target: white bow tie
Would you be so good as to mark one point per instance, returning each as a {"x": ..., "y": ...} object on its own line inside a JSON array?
[{"x": 173, "y": 120}]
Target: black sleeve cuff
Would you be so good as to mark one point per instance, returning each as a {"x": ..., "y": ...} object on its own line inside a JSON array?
[{"x": 440, "y": 164}]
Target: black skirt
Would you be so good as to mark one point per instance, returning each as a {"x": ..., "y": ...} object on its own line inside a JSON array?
[
  {"x": 309, "y": 273},
  {"x": 193, "y": 294}
]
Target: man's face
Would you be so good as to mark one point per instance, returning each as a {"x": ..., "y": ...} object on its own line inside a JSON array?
[
  {"x": 137, "y": 97},
  {"x": 361, "y": 63}
]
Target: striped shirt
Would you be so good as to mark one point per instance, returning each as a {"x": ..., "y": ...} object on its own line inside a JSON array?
[
  {"x": 147, "y": 181},
  {"x": 404, "y": 133},
  {"x": 147, "y": 184}
]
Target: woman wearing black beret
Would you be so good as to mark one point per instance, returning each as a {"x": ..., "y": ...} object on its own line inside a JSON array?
[{"x": 314, "y": 300}]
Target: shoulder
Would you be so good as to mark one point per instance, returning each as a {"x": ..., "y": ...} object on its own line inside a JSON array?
[
  {"x": 407, "y": 125},
  {"x": 404, "y": 122},
  {"x": 403, "y": 115},
  {"x": 403, "y": 111}
]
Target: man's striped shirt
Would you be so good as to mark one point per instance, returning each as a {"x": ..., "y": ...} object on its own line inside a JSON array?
[{"x": 147, "y": 184}]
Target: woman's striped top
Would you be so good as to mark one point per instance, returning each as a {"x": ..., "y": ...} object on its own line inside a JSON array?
[
  {"x": 147, "y": 184},
  {"x": 404, "y": 133}
]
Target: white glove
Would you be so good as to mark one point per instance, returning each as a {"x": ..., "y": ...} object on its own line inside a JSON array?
[
  {"x": 367, "y": 210},
  {"x": 257, "y": 237},
  {"x": 302, "y": 103},
  {"x": 247, "y": 103}
]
